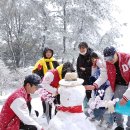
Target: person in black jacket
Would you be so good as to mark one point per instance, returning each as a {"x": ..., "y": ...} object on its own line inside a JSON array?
[{"x": 84, "y": 65}]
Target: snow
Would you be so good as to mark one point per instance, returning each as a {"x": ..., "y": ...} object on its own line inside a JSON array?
[
  {"x": 36, "y": 103},
  {"x": 65, "y": 118},
  {"x": 70, "y": 96},
  {"x": 71, "y": 120}
]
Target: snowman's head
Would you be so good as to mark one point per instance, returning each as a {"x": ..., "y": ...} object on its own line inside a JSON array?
[{"x": 71, "y": 90}]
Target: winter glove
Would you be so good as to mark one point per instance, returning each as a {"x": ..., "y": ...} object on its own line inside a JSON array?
[{"x": 110, "y": 105}]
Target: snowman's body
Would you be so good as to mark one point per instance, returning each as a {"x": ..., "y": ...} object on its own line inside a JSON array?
[{"x": 63, "y": 120}]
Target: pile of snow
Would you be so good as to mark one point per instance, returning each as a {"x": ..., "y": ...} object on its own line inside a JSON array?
[{"x": 70, "y": 115}]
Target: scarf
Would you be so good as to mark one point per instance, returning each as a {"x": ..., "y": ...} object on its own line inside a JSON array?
[
  {"x": 42, "y": 63},
  {"x": 59, "y": 69},
  {"x": 73, "y": 109}
]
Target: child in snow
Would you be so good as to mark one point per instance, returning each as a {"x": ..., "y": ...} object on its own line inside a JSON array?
[
  {"x": 104, "y": 93},
  {"x": 117, "y": 71}
]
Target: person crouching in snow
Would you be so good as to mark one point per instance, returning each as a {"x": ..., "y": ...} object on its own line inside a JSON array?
[
  {"x": 117, "y": 71},
  {"x": 104, "y": 93},
  {"x": 15, "y": 113},
  {"x": 70, "y": 115},
  {"x": 50, "y": 83}
]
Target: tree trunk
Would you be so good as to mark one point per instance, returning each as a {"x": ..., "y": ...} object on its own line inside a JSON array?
[
  {"x": 44, "y": 38},
  {"x": 64, "y": 21},
  {"x": 9, "y": 41}
]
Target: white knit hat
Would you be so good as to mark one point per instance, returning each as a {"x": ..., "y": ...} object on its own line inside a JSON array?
[{"x": 71, "y": 80}]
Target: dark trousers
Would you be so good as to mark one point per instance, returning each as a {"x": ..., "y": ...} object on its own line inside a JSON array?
[
  {"x": 88, "y": 94},
  {"x": 57, "y": 101},
  {"x": 27, "y": 127},
  {"x": 47, "y": 108}
]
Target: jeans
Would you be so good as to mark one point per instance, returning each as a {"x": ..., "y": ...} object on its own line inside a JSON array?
[
  {"x": 98, "y": 113},
  {"x": 102, "y": 113},
  {"x": 108, "y": 117}
]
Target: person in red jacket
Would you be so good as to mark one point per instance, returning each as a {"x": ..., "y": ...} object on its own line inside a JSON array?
[
  {"x": 15, "y": 113},
  {"x": 117, "y": 71},
  {"x": 46, "y": 63},
  {"x": 50, "y": 84}
]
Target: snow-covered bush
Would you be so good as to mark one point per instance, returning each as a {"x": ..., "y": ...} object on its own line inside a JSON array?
[
  {"x": 11, "y": 79},
  {"x": 5, "y": 76}
]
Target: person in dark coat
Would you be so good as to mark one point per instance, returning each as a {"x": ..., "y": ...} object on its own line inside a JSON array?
[{"x": 84, "y": 65}]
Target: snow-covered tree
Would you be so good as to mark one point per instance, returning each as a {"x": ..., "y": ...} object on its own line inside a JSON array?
[{"x": 28, "y": 26}]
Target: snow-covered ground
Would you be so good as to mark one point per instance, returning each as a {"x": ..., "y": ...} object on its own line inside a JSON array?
[{"x": 37, "y": 105}]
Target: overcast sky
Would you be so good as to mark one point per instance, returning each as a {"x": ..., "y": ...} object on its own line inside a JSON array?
[{"x": 124, "y": 17}]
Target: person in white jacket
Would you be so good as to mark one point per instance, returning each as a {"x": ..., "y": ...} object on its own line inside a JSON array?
[
  {"x": 117, "y": 71},
  {"x": 15, "y": 113}
]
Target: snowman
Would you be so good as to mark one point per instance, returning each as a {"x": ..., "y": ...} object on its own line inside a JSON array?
[{"x": 70, "y": 115}]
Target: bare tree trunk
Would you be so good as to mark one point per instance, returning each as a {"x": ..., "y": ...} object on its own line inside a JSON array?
[
  {"x": 64, "y": 21},
  {"x": 9, "y": 41},
  {"x": 23, "y": 57},
  {"x": 44, "y": 38},
  {"x": 18, "y": 33}
]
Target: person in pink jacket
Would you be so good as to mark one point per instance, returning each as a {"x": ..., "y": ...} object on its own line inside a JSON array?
[
  {"x": 117, "y": 70},
  {"x": 15, "y": 113}
]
